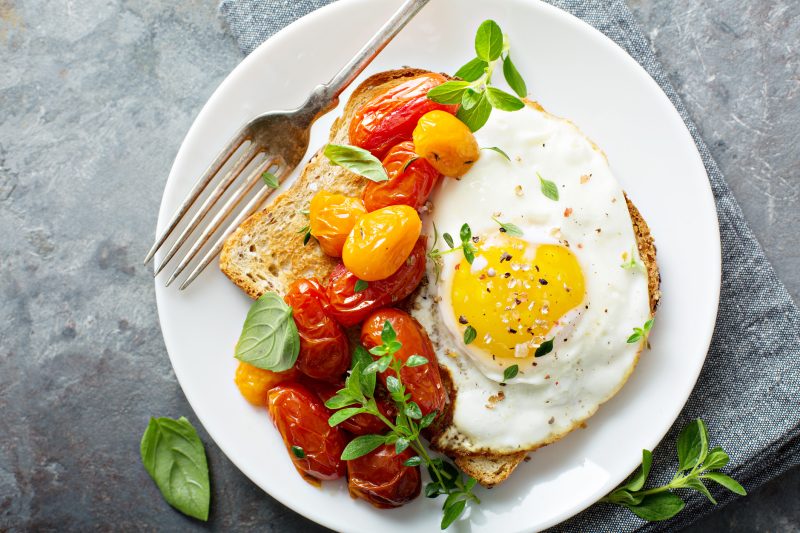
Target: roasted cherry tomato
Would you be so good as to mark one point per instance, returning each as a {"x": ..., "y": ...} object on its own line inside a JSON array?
[
  {"x": 349, "y": 307},
  {"x": 331, "y": 217},
  {"x": 381, "y": 478},
  {"x": 390, "y": 117},
  {"x": 363, "y": 423},
  {"x": 446, "y": 142},
  {"x": 423, "y": 382},
  {"x": 254, "y": 383},
  {"x": 381, "y": 241},
  {"x": 324, "y": 350},
  {"x": 302, "y": 420},
  {"x": 411, "y": 180}
]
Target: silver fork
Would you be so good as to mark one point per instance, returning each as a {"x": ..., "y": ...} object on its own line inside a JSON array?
[{"x": 276, "y": 142}]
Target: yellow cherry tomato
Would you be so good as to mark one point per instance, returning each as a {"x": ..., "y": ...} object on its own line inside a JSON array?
[
  {"x": 446, "y": 142},
  {"x": 332, "y": 217},
  {"x": 254, "y": 383},
  {"x": 381, "y": 242}
]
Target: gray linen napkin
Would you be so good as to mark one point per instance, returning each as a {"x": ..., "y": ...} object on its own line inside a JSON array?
[{"x": 749, "y": 388}]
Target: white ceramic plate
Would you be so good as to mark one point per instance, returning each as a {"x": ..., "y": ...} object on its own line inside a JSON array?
[{"x": 575, "y": 72}]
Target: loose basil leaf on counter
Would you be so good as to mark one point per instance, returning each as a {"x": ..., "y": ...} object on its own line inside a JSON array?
[
  {"x": 271, "y": 180},
  {"x": 174, "y": 457},
  {"x": 514, "y": 78},
  {"x": 545, "y": 348},
  {"x": 472, "y": 70},
  {"x": 489, "y": 41},
  {"x": 498, "y": 150},
  {"x": 450, "y": 92},
  {"x": 361, "y": 446},
  {"x": 549, "y": 188},
  {"x": 502, "y": 100},
  {"x": 356, "y": 160},
  {"x": 510, "y": 372},
  {"x": 476, "y": 116},
  {"x": 269, "y": 336}
]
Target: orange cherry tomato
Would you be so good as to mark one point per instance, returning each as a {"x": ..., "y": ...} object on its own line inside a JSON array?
[
  {"x": 362, "y": 423},
  {"x": 254, "y": 383},
  {"x": 381, "y": 478},
  {"x": 424, "y": 382},
  {"x": 324, "y": 349},
  {"x": 447, "y": 143},
  {"x": 349, "y": 307},
  {"x": 381, "y": 241},
  {"x": 302, "y": 420},
  {"x": 332, "y": 217},
  {"x": 390, "y": 117},
  {"x": 411, "y": 180}
]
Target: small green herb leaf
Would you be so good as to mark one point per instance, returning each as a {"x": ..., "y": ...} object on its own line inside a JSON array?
[
  {"x": 452, "y": 512},
  {"x": 498, "y": 150},
  {"x": 469, "y": 334},
  {"x": 269, "y": 336},
  {"x": 716, "y": 459},
  {"x": 306, "y": 237},
  {"x": 341, "y": 399},
  {"x": 448, "y": 239},
  {"x": 450, "y": 92},
  {"x": 657, "y": 507},
  {"x": 173, "y": 455},
  {"x": 361, "y": 446},
  {"x": 549, "y": 188},
  {"x": 361, "y": 285},
  {"x": 409, "y": 162},
  {"x": 513, "y": 77},
  {"x": 726, "y": 481},
  {"x": 508, "y": 228},
  {"x": 502, "y": 100},
  {"x": 356, "y": 160},
  {"x": 545, "y": 348},
  {"x": 271, "y": 180},
  {"x": 489, "y": 41},
  {"x": 343, "y": 414},
  {"x": 299, "y": 452},
  {"x": 692, "y": 445},
  {"x": 413, "y": 411},
  {"x": 388, "y": 334},
  {"x": 400, "y": 445},
  {"x": 465, "y": 233},
  {"x": 637, "y": 481},
  {"x": 471, "y": 98},
  {"x": 475, "y": 116},
  {"x": 413, "y": 461},
  {"x": 416, "y": 360},
  {"x": 472, "y": 70},
  {"x": 697, "y": 484},
  {"x": 510, "y": 372},
  {"x": 427, "y": 420}
]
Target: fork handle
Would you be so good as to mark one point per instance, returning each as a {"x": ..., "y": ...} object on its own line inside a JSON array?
[{"x": 326, "y": 96}]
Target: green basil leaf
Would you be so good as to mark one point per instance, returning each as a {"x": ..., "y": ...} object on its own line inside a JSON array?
[
  {"x": 449, "y": 240},
  {"x": 341, "y": 399},
  {"x": 299, "y": 452},
  {"x": 498, "y": 150},
  {"x": 361, "y": 285},
  {"x": 692, "y": 445},
  {"x": 413, "y": 411},
  {"x": 545, "y": 348},
  {"x": 343, "y": 414},
  {"x": 696, "y": 484},
  {"x": 469, "y": 334},
  {"x": 413, "y": 461},
  {"x": 502, "y": 100},
  {"x": 271, "y": 180},
  {"x": 637, "y": 481},
  {"x": 726, "y": 481},
  {"x": 510, "y": 372},
  {"x": 476, "y": 116},
  {"x": 416, "y": 360},
  {"x": 549, "y": 188},
  {"x": 173, "y": 455},
  {"x": 361, "y": 446},
  {"x": 657, "y": 507},
  {"x": 356, "y": 160},
  {"x": 513, "y": 77},
  {"x": 472, "y": 70},
  {"x": 450, "y": 92},
  {"x": 452, "y": 513},
  {"x": 269, "y": 336},
  {"x": 510, "y": 229},
  {"x": 400, "y": 445},
  {"x": 388, "y": 334},
  {"x": 488, "y": 42},
  {"x": 716, "y": 459}
]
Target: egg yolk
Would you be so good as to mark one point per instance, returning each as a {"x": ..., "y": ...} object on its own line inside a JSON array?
[{"x": 514, "y": 293}]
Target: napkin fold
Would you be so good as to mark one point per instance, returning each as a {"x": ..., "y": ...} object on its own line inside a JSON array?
[{"x": 748, "y": 392}]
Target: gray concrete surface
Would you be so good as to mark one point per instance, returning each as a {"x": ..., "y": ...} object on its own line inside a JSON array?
[{"x": 95, "y": 97}]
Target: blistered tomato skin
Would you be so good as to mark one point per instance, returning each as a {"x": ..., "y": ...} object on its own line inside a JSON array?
[
  {"x": 324, "y": 349},
  {"x": 302, "y": 421},
  {"x": 350, "y": 308},
  {"x": 424, "y": 382},
  {"x": 381, "y": 242},
  {"x": 331, "y": 218},
  {"x": 411, "y": 180},
  {"x": 362, "y": 423},
  {"x": 381, "y": 478},
  {"x": 254, "y": 383},
  {"x": 390, "y": 118},
  {"x": 447, "y": 143}
]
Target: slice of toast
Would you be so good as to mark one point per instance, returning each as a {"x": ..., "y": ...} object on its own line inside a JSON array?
[{"x": 266, "y": 252}]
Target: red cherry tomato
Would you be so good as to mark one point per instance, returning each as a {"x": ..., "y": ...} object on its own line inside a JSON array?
[
  {"x": 302, "y": 421},
  {"x": 411, "y": 180},
  {"x": 324, "y": 350},
  {"x": 363, "y": 423},
  {"x": 423, "y": 382},
  {"x": 391, "y": 117},
  {"x": 349, "y": 307},
  {"x": 381, "y": 478}
]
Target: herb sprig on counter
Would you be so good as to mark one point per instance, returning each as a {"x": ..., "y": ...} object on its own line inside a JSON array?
[
  {"x": 697, "y": 464},
  {"x": 474, "y": 90},
  {"x": 358, "y": 396}
]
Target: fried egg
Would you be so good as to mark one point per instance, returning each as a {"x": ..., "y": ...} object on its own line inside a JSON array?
[{"x": 547, "y": 290}]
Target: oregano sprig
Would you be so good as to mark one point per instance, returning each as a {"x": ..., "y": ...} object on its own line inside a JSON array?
[
  {"x": 697, "y": 465},
  {"x": 641, "y": 334},
  {"x": 467, "y": 247}
]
